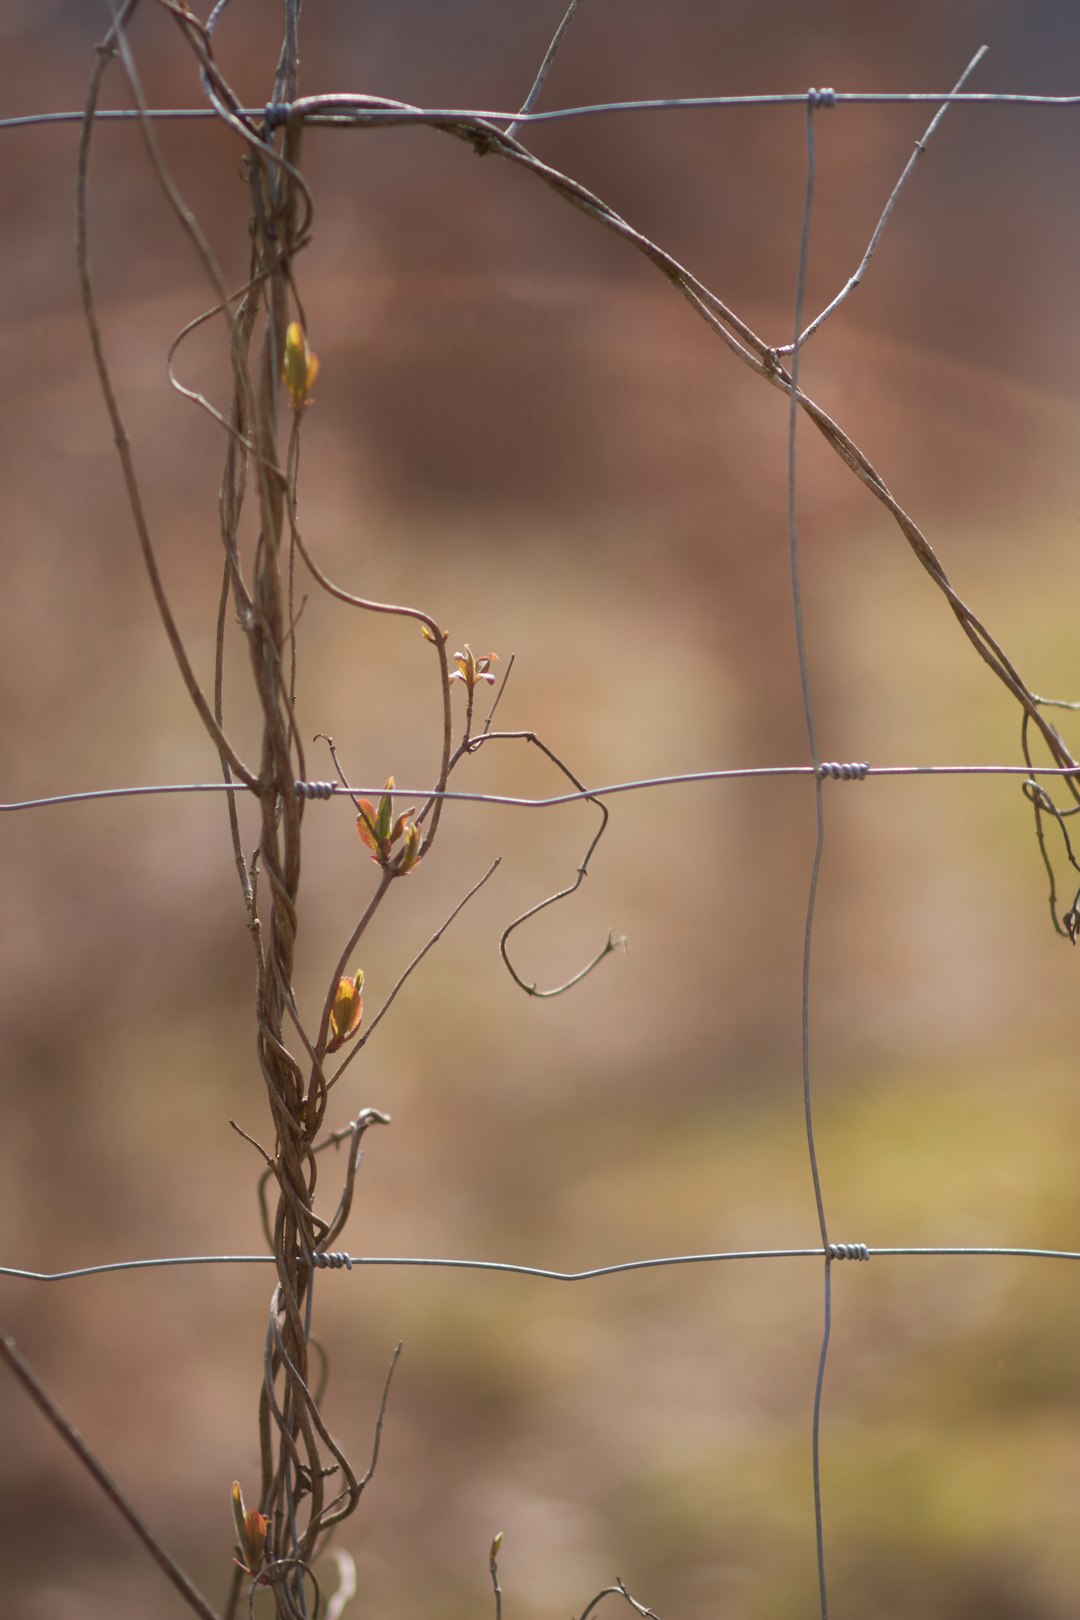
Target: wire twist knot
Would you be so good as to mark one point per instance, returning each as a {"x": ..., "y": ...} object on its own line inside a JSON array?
[
  {"x": 314, "y": 790},
  {"x": 821, "y": 98},
  {"x": 331, "y": 1260},
  {"x": 848, "y": 1251},
  {"x": 833, "y": 772}
]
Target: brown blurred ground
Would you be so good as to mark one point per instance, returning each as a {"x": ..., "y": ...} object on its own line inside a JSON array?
[{"x": 521, "y": 427}]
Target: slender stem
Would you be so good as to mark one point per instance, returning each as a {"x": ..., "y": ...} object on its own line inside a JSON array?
[{"x": 72, "y": 1438}]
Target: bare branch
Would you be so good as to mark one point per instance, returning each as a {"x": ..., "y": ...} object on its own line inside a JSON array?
[
  {"x": 72, "y": 1438},
  {"x": 377, "y": 1441},
  {"x": 545, "y": 67},
  {"x": 120, "y": 435},
  {"x": 920, "y": 147},
  {"x": 363, "y": 1039},
  {"x": 493, "y": 1569},
  {"x": 618, "y": 1590}
]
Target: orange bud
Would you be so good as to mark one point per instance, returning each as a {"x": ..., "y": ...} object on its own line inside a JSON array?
[
  {"x": 346, "y": 1011},
  {"x": 366, "y": 826},
  {"x": 256, "y": 1525},
  {"x": 299, "y": 366},
  {"x": 251, "y": 1531}
]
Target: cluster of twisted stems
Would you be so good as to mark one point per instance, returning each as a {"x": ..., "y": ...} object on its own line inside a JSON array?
[{"x": 308, "y": 1484}]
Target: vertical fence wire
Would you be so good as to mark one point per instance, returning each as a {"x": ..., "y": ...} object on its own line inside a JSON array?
[{"x": 819, "y": 839}]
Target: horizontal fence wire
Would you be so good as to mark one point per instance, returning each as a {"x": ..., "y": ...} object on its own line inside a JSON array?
[
  {"x": 317, "y": 109},
  {"x": 336, "y": 1260},
  {"x": 324, "y": 790}
]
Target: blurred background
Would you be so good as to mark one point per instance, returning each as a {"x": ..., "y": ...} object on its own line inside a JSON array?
[{"x": 523, "y": 429}]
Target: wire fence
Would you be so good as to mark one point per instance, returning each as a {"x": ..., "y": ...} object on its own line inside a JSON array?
[{"x": 309, "y": 1485}]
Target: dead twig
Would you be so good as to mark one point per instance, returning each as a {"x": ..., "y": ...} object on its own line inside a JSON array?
[
  {"x": 97, "y": 1471},
  {"x": 545, "y": 67},
  {"x": 363, "y": 1039},
  {"x": 920, "y": 147},
  {"x": 120, "y": 435}
]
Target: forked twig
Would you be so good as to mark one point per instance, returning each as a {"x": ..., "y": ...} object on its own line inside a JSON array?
[
  {"x": 618, "y": 1590},
  {"x": 920, "y": 147},
  {"x": 545, "y": 67}
]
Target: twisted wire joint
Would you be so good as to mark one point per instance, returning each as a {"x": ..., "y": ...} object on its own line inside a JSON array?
[
  {"x": 848, "y": 1251},
  {"x": 314, "y": 790},
  {"x": 833, "y": 772},
  {"x": 331, "y": 1260},
  {"x": 821, "y": 98}
]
